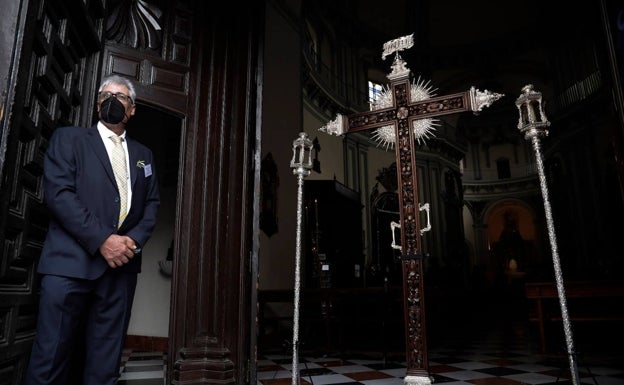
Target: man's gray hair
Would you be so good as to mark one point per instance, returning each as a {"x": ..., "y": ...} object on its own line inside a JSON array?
[{"x": 116, "y": 79}]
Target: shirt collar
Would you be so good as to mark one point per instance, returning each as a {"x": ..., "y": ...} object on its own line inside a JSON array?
[{"x": 105, "y": 133}]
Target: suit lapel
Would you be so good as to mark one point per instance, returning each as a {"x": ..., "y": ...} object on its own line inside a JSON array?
[
  {"x": 133, "y": 158},
  {"x": 95, "y": 140}
]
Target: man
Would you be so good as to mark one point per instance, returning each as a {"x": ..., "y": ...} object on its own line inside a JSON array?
[{"x": 92, "y": 252}]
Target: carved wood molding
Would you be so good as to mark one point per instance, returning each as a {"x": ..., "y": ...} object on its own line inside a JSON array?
[
  {"x": 204, "y": 363},
  {"x": 136, "y": 24}
]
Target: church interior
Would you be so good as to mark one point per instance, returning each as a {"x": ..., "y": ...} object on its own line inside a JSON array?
[
  {"x": 492, "y": 170},
  {"x": 489, "y": 253},
  {"x": 512, "y": 216}
]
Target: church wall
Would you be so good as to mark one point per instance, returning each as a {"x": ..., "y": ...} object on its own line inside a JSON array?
[
  {"x": 378, "y": 159},
  {"x": 331, "y": 154},
  {"x": 280, "y": 127},
  {"x": 584, "y": 195},
  {"x": 471, "y": 235}
]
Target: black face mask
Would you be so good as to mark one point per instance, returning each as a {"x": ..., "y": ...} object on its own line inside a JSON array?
[{"x": 112, "y": 111}]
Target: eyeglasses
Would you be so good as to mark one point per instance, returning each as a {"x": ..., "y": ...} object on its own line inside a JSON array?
[{"x": 120, "y": 96}]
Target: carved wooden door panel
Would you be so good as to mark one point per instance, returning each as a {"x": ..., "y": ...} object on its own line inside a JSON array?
[
  {"x": 190, "y": 60},
  {"x": 54, "y": 47}
]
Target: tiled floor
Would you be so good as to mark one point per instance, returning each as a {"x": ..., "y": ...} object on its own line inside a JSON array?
[
  {"x": 142, "y": 368},
  {"x": 486, "y": 356},
  {"x": 486, "y": 351},
  {"x": 448, "y": 366},
  {"x": 486, "y": 362},
  {"x": 468, "y": 368}
]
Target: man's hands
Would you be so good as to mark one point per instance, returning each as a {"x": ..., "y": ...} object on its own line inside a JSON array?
[{"x": 118, "y": 250}]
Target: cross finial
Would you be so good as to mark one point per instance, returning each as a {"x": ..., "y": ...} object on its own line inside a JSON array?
[
  {"x": 396, "y": 45},
  {"x": 399, "y": 67}
]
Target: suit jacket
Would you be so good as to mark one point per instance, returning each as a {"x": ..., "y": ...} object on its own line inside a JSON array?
[{"x": 81, "y": 193}]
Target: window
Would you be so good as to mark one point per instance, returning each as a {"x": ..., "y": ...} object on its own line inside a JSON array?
[
  {"x": 374, "y": 90},
  {"x": 502, "y": 166}
]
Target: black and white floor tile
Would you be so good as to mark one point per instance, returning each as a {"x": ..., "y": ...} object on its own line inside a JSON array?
[
  {"x": 496, "y": 347},
  {"x": 142, "y": 368},
  {"x": 486, "y": 362}
]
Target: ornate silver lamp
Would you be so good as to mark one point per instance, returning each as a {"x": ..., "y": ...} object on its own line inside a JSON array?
[
  {"x": 533, "y": 124},
  {"x": 301, "y": 164}
]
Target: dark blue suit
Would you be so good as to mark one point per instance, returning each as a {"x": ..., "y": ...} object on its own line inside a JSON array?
[{"x": 82, "y": 196}]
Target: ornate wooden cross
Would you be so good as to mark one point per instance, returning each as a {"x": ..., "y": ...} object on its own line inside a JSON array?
[{"x": 401, "y": 114}]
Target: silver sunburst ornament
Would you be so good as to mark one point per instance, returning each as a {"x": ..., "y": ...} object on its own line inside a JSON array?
[{"x": 420, "y": 90}]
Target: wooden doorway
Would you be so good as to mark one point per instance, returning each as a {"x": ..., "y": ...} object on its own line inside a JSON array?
[
  {"x": 161, "y": 131},
  {"x": 50, "y": 82},
  {"x": 203, "y": 67}
]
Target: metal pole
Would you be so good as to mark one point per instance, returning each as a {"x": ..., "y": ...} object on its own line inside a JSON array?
[
  {"x": 295, "y": 343},
  {"x": 301, "y": 164},
  {"x": 533, "y": 123},
  {"x": 555, "y": 257}
]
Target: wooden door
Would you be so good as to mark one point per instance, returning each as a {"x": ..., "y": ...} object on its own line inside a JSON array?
[
  {"x": 52, "y": 56},
  {"x": 198, "y": 64}
]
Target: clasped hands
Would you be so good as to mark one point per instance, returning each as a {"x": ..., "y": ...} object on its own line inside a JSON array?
[{"x": 118, "y": 250}]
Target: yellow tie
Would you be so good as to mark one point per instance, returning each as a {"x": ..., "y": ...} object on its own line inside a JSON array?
[{"x": 118, "y": 160}]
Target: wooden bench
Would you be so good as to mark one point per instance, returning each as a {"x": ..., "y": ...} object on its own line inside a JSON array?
[{"x": 587, "y": 301}]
